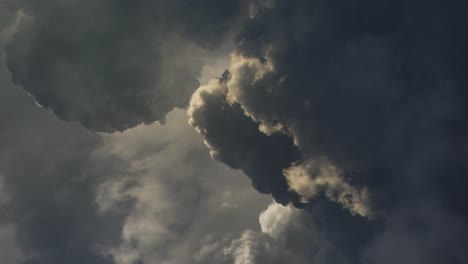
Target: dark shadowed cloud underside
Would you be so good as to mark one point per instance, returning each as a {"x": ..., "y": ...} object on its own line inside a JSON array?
[{"x": 350, "y": 115}]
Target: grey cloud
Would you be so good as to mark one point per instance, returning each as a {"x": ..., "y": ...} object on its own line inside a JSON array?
[
  {"x": 76, "y": 197},
  {"x": 423, "y": 234},
  {"x": 152, "y": 191},
  {"x": 316, "y": 177},
  {"x": 259, "y": 156},
  {"x": 346, "y": 88},
  {"x": 49, "y": 179},
  {"x": 112, "y": 65},
  {"x": 9, "y": 19},
  {"x": 288, "y": 235},
  {"x": 184, "y": 202},
  {"x": 375, "y": 88},
  {"x": 10, "y": 252}
]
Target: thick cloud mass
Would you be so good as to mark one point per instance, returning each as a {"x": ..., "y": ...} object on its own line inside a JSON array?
[
  {"x": 184, "y": 201},
  {"x": 375, "y": 89},
  {"x": 49, "y": 178},
  {"x": 287, "y": 235},
  {"x": 259, "y": 156},
  {"x": 114, "y": 64},
  {"x": 148, "y": 195},
  {"x": 372, "y": 88},
  {"x": 353, "y": 112}
]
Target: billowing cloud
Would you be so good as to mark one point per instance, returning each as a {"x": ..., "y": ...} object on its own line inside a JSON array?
[
  {"x": 261, "y": 157},
  {"x": 183, "y": 201},
  {"x": 377, "y": 90},
  {"x": 346, "y": 90},
  {"x": 215, "y": 110},
  {"x": 288, "y": 235},
  {"x": 325, "y": 105},
  {"x": 49, "y": 178},
  {"x": 150, "y": 194},
  {"x": 315, "y": 177},
  {"x": 112, "y": 65}
]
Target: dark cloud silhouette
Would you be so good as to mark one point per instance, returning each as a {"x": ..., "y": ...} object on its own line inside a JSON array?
[
  {"x": 423, "y": 234},
  {"x": 114, "y": 64},
  {"x": 369, "y": 97},
  {"x": 373, "y": 94},
  {"x": 328, "y": 105},
  {"x": 150, "y": 194},
  {"x": 259, "y": 156},
  {"x": 49, "y": 177}
]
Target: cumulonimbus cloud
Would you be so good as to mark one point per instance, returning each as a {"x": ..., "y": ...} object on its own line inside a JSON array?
[
  {"x": 362, "y": 103},
  {"x": 259, "y": 156},
  {"x": 377, "y": 90},
  {"x": 113, "y": 64}
]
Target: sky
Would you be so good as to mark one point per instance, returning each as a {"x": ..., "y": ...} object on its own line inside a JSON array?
[{"x": 233, "y": 132}]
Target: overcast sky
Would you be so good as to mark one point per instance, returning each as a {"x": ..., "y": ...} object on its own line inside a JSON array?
[{"x": 233, "y": 132}]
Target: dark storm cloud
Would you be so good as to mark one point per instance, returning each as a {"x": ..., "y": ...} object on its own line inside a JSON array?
[
  {"x": 235, "y": 140},
  {"x": 56, "y": 177},
  {"x": 423, "y": 234},
  {"x": 375, "y": 89},
  {"x": 50, "y": 176},
  {"x": 114, "y": 64},
  {"x": 151, "y": 194},
  {"x": 373, "y": 94},
  {"x": 327, "y": 104}
]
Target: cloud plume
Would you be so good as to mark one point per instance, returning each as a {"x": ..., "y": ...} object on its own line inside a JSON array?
[
  {"x": 351, "y": 114},
  {"x": 259, "y": 156},
  {"x": 311, "y": 179},
  {"x": 114, "y": 64},
  {"x": 375, "y": 89}
]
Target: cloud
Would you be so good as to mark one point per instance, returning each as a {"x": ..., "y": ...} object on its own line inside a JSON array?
[
  {"x": 113, "y": 65},
  {"x": 10, "y": 17},
  {"x": 288, "y": 235},
  {"x": 10, "y": 252},
  {"x": 311, "y": 179},
  {"x": 325, "y": 105},
  {"x": 182, "y": 200},
  {"x": 426, "y": 234},
  {"x": 374, "y": 89},
  {"x": 49, "y": 178},
  {"x": 221, "y": 95},
  {"x": 259, "y": 156},
  {"x": 346, "y": 91},
  {"x": 149, "y": 194}
]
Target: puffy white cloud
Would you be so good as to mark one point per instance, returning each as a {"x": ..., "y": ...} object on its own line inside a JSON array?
[{"x": 287, "y": 235}]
